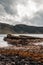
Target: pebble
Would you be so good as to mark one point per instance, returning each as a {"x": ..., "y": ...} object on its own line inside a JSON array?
[{"x": 17, "y": 60}]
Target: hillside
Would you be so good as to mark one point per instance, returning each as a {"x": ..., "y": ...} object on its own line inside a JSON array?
[
  {"x": 20, "y": 28},
  {"x": 6, "y": 28}
]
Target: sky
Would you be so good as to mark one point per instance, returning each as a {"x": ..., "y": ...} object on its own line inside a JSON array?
[{"x": 29, "y": 12}]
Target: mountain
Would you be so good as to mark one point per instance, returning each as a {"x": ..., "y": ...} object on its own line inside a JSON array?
[
  {"x": 6, "y": 28},
  {"x": 20, "y": 28}
]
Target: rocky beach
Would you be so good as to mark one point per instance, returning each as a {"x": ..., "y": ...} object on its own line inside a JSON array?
[
  {"x": 17, "y": 60},
  {"x": 21, "y": 55},
  {"x": 24, "y": 53}
]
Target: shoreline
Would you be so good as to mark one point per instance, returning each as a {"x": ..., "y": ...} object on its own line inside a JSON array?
[{"x": 36, "y": 53}]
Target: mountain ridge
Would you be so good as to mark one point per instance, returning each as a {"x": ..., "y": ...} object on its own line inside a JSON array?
[{"x": 20, "y": 28}]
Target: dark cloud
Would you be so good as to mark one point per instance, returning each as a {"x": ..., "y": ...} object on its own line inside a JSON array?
[
  {"x": 7, "y": 6},
  {"x": 8, "y": 3}
]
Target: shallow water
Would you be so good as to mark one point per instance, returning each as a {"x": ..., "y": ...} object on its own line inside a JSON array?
[{"x": 4, "y": 44}]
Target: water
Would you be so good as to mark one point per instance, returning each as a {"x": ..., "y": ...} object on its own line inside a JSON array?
[{"x": 4, "y": 44}]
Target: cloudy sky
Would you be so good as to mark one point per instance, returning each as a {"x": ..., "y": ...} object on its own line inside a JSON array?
[{"x": 29, "y": 12}]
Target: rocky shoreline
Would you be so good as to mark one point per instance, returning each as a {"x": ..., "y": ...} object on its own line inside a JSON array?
[
  {"x": 35, "y": 52},
  {"x": 24, "y": 54},
  {"x": 22, "y": 40},
  {"x": 17, "y": 60}
]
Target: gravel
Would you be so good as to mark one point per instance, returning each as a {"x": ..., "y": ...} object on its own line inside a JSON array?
[{"x": 17, "y": 60}]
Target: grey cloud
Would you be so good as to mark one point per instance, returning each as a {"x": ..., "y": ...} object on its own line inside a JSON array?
[
  {"x": 7, "y": 6},
  {"x": 38, "y": 1},
  {"x": 38, "y": 19},
  {"x": 24, "y": 2},
  {"x": 2, "y": 11},
  {"x": 9, "y": 10},
  {"x": 25, "y": 19},
  {"x": 7, "y": 2}
]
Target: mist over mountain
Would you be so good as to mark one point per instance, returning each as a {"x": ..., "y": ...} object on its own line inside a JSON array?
[{"x": 20, "y": 28}]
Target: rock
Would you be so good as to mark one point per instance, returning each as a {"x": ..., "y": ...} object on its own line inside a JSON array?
[
  {"x": 24, "y": 40},
  {"x": 18, "y": 61}
]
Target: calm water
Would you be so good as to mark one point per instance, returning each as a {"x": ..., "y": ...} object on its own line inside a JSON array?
[{"x": 4, "y": 44}]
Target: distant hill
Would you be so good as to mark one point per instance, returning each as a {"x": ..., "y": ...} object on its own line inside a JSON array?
[
  {"x": 6, "y": 28},
  {"x": 20, "y": 28}
]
